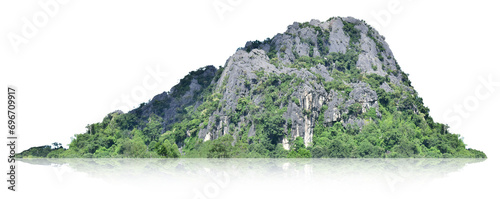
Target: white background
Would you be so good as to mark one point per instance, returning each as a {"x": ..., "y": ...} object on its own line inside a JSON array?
[{"x": 87, "y": 55}]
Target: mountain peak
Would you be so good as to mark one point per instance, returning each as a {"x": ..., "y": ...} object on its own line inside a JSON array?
[{"x": 320, "y": 89}]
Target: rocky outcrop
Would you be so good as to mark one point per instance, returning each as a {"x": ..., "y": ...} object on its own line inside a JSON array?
[
  {"x": 250, "y": 66},
  {"x": 363, "y": 94},
  {"x": 386, "y": 87},
  {"x": 169, "y": 103},
  {"x": 305, "y": 40}
]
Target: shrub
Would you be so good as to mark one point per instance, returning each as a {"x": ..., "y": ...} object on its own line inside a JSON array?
[
  {"x": 353, "y": 33},
  {"x": 355, "y": 109},
  {"x": 296, "y": 100}
]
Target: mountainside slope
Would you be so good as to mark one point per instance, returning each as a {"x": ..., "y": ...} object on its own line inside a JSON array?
[{"x": 321, "y": 89}]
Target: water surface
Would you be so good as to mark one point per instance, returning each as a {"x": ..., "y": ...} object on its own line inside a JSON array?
[{"x": 253, "y": 178}]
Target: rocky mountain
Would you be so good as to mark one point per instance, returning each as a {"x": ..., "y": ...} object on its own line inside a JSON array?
[{"x": 320, "y": 89}]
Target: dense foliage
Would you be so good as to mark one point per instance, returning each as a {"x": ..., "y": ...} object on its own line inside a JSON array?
[{"x": 42, "y": 151}]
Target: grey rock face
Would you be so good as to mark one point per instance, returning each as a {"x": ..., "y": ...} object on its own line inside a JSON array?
[
  {"x": 303, "y": 40},
  {"x": 241, "y": 67},
  {"x": 334, "y": 111},
  {"x": 303, "y": 116},
  {"x": 386, "y": 87},
  {"x": 321, "y": 70},
  {"x": 172, "y": 103},
  {"x": 338, "y": 39},
  {"x": 368, "y": 57},
  {"x": 239, "y": 78},
  {"x": 363, "y": 94}
]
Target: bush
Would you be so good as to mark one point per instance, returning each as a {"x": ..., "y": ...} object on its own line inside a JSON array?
[
  {"x": 254, "y": 44},
  {"x": 355, "y": 109},
  {"x": 220, "y": 148},
  {"x": 296, "y": 100},
  {"x": 300, "y": 153},
  {"x": 353, "y": 33},
  {"x": 375, "y": 80},
  {"x": 336, "y": 85}
]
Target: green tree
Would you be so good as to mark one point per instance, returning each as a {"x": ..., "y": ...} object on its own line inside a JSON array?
[
  {"x": 167, "y": 150},
  {"x": 221, "y": 148},
  {"x": 153, "y": 129}
]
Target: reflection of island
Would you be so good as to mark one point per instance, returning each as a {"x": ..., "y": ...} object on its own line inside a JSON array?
[
  {"x": 307, "y": 168},
  {"x": 344, "y": 176}
]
